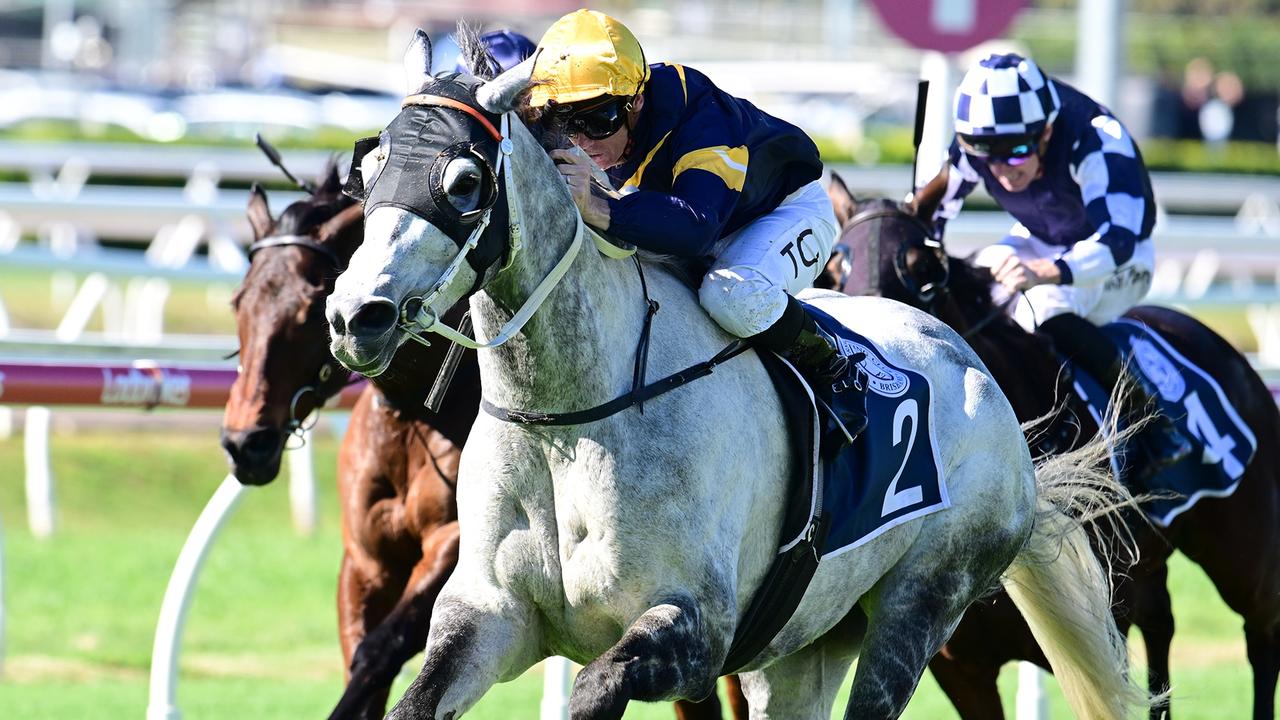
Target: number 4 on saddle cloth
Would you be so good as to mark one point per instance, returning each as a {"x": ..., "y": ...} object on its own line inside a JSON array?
[{"x": 1222, "y": 445}]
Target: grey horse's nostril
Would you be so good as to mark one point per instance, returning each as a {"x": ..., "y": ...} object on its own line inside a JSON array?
[
  {"x": 337, "y": 324},
  {"x": 373, "y": 318}
]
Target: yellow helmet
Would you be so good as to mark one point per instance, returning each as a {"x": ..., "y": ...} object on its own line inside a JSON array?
[{"x": 584, "y": 55}]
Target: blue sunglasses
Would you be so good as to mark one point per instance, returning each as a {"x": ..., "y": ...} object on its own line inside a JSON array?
[{"x": 1005, "y": 150}]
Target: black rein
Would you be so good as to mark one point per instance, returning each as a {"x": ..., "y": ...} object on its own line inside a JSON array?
[{"x": 639, "y": 391}]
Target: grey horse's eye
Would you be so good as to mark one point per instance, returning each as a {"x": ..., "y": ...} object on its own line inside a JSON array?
[{"x": 464, "y": 183}]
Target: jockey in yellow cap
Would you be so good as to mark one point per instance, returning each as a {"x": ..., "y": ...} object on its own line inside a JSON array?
[{"x": 696, "y": 173}]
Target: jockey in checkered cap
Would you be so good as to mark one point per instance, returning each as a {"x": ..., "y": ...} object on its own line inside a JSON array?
[
  {"x": 696, "y": 173},
  {"x": 1068, "y": 171}
]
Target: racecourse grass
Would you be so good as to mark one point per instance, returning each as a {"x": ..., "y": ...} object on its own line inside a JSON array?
[
  {"x": 260, "y": 640},
  {"x": 37, "y": 299}
]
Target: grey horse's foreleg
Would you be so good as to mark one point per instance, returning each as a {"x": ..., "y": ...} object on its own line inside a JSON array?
[
  {"x": 664, "y": 655},
  {"x": 468, "y": 651}
]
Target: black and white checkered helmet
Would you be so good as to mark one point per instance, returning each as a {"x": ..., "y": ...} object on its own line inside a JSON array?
[{"x": 1005, "y": 95}]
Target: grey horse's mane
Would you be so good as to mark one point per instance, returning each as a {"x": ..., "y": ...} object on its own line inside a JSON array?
[
  {"x": 680, "y": 267},
  {"x": 475, "y": 54}
]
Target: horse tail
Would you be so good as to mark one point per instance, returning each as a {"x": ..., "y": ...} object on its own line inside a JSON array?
[{"x": 1063, "y": 588}]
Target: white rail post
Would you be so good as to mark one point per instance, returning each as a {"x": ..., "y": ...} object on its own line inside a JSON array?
[
  {"x": 1264, "y": 320},
  {"x": 162, "y": 700},
  {"x": 1031, "y": 703},
  {"x": 1100, "y": 49},
  {"x": 555, "y": 688},
  {"x": 82, "y": 306},
  {"x": 943, "y": 73},
  {"x": 302, "y": 485},
  {"x": 39, "y": 474}
]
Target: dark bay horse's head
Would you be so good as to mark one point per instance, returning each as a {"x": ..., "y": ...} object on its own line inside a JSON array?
[
  {"x": 886, "y": 249},
  {"x": 286, "y": 370}
]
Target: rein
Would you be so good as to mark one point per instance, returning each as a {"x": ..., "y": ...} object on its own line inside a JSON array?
[
  {"x": 640, "y": 392},
  {"x": 990, "y": 317},
  {"x": 416, "y": 313}
]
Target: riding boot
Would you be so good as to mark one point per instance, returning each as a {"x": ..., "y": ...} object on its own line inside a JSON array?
[
  {"x": 1158, "y": 444},
  {"x": 797, "y": 337}
]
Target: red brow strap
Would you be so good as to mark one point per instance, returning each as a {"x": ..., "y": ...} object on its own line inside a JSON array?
[{"x": 424, "y": 99}]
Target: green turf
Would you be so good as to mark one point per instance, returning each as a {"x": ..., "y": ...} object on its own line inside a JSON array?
[{"x": 260, "y": 641}]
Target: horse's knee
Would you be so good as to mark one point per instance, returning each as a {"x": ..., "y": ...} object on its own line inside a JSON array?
[
  {"x": 600, "y": 691},
  {"x": 665, "y": 654}
]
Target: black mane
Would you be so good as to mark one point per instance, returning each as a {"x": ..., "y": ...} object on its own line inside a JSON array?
[{"x": 303, "y": 216}]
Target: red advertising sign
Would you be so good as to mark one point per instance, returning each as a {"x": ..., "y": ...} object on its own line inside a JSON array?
[{"x": 947, "y": 25}]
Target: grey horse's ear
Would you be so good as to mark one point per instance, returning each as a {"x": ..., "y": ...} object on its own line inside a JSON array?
[
  {"x": 499, "y": 94},
  {"x": 417, "y": 62}
]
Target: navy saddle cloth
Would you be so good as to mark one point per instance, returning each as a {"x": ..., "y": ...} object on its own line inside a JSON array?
[
  {"x": 1222, "y": 445},
  {"x": 891, "y": 473}
]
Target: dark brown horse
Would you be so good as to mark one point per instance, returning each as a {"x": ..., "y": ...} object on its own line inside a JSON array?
[
  {"x": 397, "y": 467},
  {"x": 883, "y": 251},
  {"x": 398, "y": 463}
]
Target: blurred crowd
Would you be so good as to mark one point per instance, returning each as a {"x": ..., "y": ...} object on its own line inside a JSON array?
[{"x": 1212, "y": 105}]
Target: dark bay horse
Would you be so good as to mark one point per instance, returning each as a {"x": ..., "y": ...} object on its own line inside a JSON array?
[
  {"x": 397, "y": 467},
  {"x": 1234, "y": 538},
  {"x": 397, "y": 463}
]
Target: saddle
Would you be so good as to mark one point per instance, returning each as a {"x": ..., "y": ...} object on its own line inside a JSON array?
[{"x": 888, "y": 476}]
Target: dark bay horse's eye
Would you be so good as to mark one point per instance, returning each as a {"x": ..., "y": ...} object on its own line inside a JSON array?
[{"x": 463, "y": 182}]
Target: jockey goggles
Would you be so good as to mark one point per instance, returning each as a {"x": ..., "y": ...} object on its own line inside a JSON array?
[
  {"x": 1013, "y": 150},
  {"x": 596, "y": 120}
]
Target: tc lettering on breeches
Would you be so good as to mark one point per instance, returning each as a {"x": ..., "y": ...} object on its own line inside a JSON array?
[{"x": 772, "y": 257}]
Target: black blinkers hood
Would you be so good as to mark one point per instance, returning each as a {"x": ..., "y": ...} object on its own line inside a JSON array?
[{"x": 422, "y": 141}]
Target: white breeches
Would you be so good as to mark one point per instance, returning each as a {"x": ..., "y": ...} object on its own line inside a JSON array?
[
  {"x": 768, "y": 259},
  {"x": 1099, "y": 302}
]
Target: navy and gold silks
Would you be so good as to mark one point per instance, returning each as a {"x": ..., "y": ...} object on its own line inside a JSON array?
[{"x": 703, "y": 164}]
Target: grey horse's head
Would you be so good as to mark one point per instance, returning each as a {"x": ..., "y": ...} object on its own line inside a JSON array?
[{"x": 436, "y": 220}]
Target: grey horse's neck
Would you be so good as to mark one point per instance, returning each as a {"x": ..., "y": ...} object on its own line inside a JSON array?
[{"x": 578, "y": 350}]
